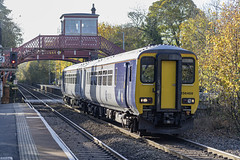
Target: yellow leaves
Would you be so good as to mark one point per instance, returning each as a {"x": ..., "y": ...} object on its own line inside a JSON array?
[
  {"x": 193, "y": 33},
  {"x": 219, "y": 62}
]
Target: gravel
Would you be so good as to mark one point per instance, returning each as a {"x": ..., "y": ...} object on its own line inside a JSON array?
[
  {"x": 131, "y": 148},
  {"x": 213, "y": 138}
]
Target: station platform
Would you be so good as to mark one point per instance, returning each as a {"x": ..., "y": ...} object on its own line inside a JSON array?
[
  {"x": 25, "y": 135},
  {"x": 51, "y": 88}
]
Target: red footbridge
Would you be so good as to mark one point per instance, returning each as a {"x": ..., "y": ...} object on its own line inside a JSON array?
[
  {"x": 78, "y": 39},
  {"x": 64, "y": 47}
]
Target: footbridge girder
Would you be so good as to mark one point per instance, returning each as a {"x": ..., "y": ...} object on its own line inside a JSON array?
[{"x": 64, "y": 47}]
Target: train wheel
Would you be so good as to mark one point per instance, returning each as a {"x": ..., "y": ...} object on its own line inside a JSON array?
[
  {"x": 134, "y": 125},
  {"x": 142, "y": 133},
  {"x": 102, "y": 112},
  {"x": 85, "y": 108},
  {"x": 96, "y": 112}
]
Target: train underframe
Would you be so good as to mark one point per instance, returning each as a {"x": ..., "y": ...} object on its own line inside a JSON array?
[{"x": 150, "y": 122}]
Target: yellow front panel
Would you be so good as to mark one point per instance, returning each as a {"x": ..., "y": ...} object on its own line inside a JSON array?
[
  {"x": 168, "y": 85},
  {"x": 192, "y": 90},
  {"x": 144, "y": 90}
]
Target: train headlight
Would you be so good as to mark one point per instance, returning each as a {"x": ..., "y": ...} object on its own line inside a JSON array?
[
  {"x": 145, "y": 99},
  {"x": 188, "y": 101}
]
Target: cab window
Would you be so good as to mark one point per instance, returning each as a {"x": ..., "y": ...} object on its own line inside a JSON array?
[
  {"x": 188, "y": 70},
  {"x": 147, "y": 69}
]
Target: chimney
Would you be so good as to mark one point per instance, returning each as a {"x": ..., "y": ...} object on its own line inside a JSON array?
[{"x": 93, "y": 9}]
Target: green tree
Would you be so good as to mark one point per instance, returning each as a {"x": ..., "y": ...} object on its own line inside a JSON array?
[
  {"x": 114, "y": 33},
  {"x": 36, "y": 72},
  {"x": 11, "y": 33},
  {"x": 134, "y": 38},
  {"x": 166, "y": 16},
  {"x": 193, "y": 36},
  {"x": 147, "y": 27}
]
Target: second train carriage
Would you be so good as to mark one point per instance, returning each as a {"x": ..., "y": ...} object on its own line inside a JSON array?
[{"x": 152, "y": 89}]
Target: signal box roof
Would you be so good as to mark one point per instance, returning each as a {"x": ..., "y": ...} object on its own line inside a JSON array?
[{"x": 79, "y": 15}]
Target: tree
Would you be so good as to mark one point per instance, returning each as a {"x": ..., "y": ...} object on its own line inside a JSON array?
[
  {"x": 11, "y": 33},
  {"x": 147, "y": 27},
  {"x": 166, "y": 16},
  {"x": 224, "y": 46},
  {"x": 193, "y": 36},
  {"x": 193, "y": 33},
  {"x": 38, "y": 71},
  {"x": 132, "y": 36}
]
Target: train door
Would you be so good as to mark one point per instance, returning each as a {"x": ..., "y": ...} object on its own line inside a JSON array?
[
  {"x": 129, "y": 85},
  {"x": 168, "y": 84},
  {"x": 100, "y": 85},
  {"x": 80, "y": 83},
  {"x": 126, "y": 97},
  {"x": 63, "y": 82},
  {"x": 84, "y": 78}
]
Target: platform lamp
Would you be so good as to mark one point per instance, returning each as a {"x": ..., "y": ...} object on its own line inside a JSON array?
[{"x": 1, "y": 48}]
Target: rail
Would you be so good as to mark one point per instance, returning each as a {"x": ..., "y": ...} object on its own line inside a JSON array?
[{"x": 81, "y": 130}]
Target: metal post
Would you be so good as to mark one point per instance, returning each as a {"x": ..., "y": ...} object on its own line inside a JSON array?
[
  {"x": 1, "y": 54},
  {"x": 1, "y": 91},
  {"x": 123, "y": 42},
  {"x": 49, "y": 74},
  {"x": 55, "y": 78},
  {"x": 1, "y": 34}
]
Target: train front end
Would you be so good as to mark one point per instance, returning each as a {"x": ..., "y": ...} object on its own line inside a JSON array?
[{"x": 167, "y": 91}]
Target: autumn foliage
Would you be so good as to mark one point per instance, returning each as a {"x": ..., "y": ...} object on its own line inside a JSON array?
[
  {"x": 216, "y": 40},
  {"x": 214, "y": 35}
]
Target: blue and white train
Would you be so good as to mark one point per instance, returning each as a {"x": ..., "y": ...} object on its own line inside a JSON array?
[{"x": 152, "y": 89}]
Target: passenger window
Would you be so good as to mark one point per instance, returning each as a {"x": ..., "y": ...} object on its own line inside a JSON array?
[
  {"x": 188, "y": 70},
  {"x": 95, "y": 80},
  {"x": 147, "y": 69},
  {"x": 99, "y": 80},
  {"x": 92, "y": 80},
  {"x": 110, "y": 80},
  {"x": 110, "y": 71},
  {"x": 104, "y": 80}
]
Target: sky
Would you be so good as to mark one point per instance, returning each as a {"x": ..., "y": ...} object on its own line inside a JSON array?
[{"x": 42, "y": 17}]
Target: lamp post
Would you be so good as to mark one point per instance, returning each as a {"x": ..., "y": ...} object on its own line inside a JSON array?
[{"x": 123, "y": 42}]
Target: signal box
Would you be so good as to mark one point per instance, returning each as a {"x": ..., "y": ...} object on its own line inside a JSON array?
[{"x": 80, "y": 23}]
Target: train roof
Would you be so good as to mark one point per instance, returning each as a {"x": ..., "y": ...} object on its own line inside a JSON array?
[
  {"x": 134, "y": 54},
  {"x": 166, "y": 49}
]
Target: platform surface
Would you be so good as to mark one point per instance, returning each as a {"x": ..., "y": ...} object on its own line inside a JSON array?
[
  {"x": 23, "y": 135},
  {"x": 50, "y": 86}
]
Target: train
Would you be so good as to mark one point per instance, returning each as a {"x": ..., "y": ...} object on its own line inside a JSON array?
[{"x": 151, "y": 90}]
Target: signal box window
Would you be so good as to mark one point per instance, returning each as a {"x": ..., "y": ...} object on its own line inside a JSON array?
[
  {"x": 89, "y": 27},
  {"x": 188, "y": 70},
  {"x": 72, "y": 27},
  {"x": 147, "y": 69}
]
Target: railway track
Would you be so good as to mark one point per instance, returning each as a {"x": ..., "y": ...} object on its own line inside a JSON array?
[
  {"x": 98, "y": 149},
  {"x": 181, "y": 148}
]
